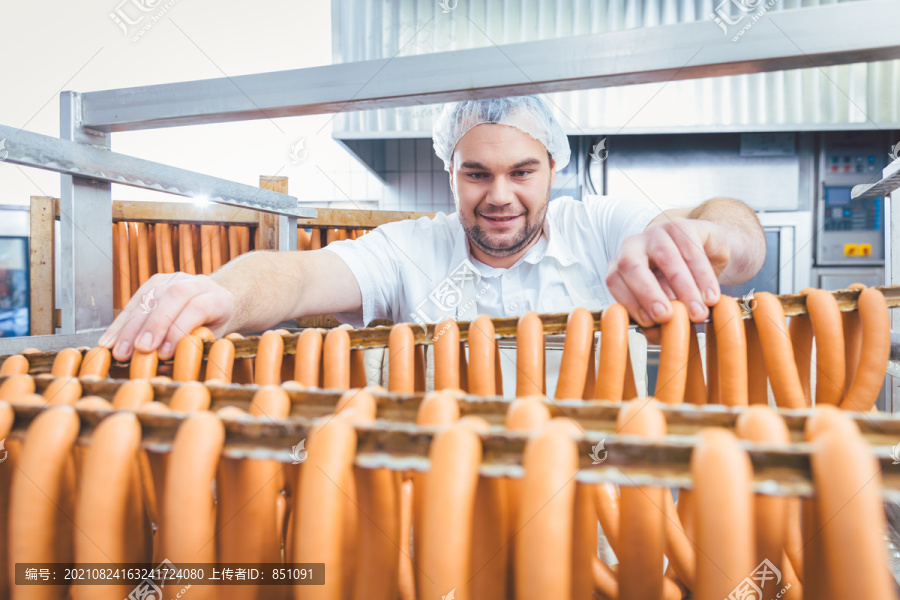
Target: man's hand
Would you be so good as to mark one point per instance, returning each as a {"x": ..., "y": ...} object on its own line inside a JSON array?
[
  {"x": 672, "y": 258},
  {"x": 165, "y": 308}
]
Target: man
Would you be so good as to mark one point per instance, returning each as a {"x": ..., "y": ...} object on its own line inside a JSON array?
[{"x": 506, "y": 251}]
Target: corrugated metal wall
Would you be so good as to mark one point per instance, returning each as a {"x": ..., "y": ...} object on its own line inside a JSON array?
[{"x": 841, "y": 97}]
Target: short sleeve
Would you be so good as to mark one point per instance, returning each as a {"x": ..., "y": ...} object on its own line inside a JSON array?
[
  {"x": 617, "y": 218},
  {"x": 372, "y": 260}
]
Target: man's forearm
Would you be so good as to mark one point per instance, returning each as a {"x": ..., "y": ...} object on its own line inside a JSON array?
[
  {"x": 747, "y": 240},
  {"x": 265, "y": 286}
]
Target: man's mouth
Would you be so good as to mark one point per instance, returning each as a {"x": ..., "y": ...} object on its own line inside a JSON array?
[{"x": 500, "y": 219}]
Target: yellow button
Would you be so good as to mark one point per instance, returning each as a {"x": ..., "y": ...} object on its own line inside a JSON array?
[
  {"x": 851, "y": 249},
  {"x": 865, "y": 249}
]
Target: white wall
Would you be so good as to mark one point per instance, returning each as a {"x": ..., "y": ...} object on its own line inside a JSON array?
[{"x": 57, "y": 45}]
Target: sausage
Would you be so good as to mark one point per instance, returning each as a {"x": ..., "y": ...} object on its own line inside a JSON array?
[
  {"x": 401, "y": 359},
  {"x": 446, "y": 355},
  {"x": 732, "y": 351},
  {"x": 117, "y": 298},
  {"x": 358, "y": 378},
  {"x": 133, "y": 256},
  {"x": 234, "y": 242},
  {"x": 713, "y": 395},
  {"x": 405, "y": 572},
  {"x": 15, "y": 364},
  {"x": 308, "y": 358},
  {"x": 192, "y": 396},
  {"x": 318, "y": 511},
  {"x": 498, "y": 371},
  {"x": 302, "y": 239},
  {"x": 6, "y": 422},
  {"x": 188, "y": 505},
  {"x": 220, "y": 361},
  {"x": 15, "y": 386},
  {"x": 800, "y": 330},
  {"x": 123, "y": 263},
  {"x": 132, "y": 394},
  {"x": 604, "y": 578},
  {"x": 206, "y": 251},
  {"x": 42, "y": 493},
  {"x": 850, "y": 509},
  {"x": 66, "y": 363},
  {"x": 143, "y": 253},
  {"x": 576, "y": 353},
  {"x": 641, "y": 522},
  {"x": 695, "y": 386},
  {"x": 757, "y": 379},
  {"x": 186, "y": 249},
  {"x": 529, "y": 356},
  {"x": 876, "y": 348},
  {"x": 778, "y": 353},
  {"x": 96, "y": 362},
  {"x": 793, "y": 538},
  {"x": 482, "y": 357},
  {"x": 762, "y": 424},
  {"x": 607, "y": 507},
  {"x": 679, "y": 547},
  {"x": 584, "y": 539},
  {"x": 315, "y": 239},
  {"x": 244, "y": 237},
  {"x": 852, "y": 340},
  {"x": 723, "y": 511},
  {"x": 63, "y": 391},
  {"x": 101, "y": 516},
  {"x": 463, "y": 368},
  {"x": 269, "y": 354},
  {"x": 336, "y": 362},
  {"x": 419, "y": 368},
  {"x": 143, "y": 365},
  {"x": 247, "y": 499},
  {"x": 543, "y": 544},
  {"x": 360, "y": 404},
  {"x": 204, "y": 333},
  {"x": 447, "y": 512},
  {"x": 188, "y": 359},
  {"x": 673, "y": 357},
  {"x": 242, "y": 371},
  {"x": 825, "y": 318}
]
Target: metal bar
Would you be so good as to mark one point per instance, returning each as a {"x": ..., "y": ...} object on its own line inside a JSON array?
[
  {"x": 401, "y": 446},
  {"x": 85, "y": 224},
  {"x": 102, "y": 167},
  {"x": 888, "y": 183},
  {"x": 50, "y": 344},
  {"x": 792, "y": 39}
]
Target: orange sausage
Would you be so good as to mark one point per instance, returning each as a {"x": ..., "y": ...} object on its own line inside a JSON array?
[
  {"x": 15, "y": 365},
  {"x": 132, "y": 394},
  {"x": 405, "y": 570},
  {"x": 576, "y": 353},
  {"x": 308, "y": 359},
  {"x": 319, "y": 510},
  {"x": 302, "y": 239},
  {"x": 778, "y": 353},
  {"x": 101, "y": 516},
  {"x": 192, "y": 396},
  {"x": 850, "y": 508},
  {"x": 695, "y": 386},
  {"x": 723, "y": 511},
  {"x": 732, "y": 351},
  {"x": 315, "y": 239},
  {"x": 96, "y": 362},
  {"x": 876, "y": 349},
  {"x": 757, "y": 379},
  {"x": 242, "y": 370},
  {"x": 63, "y": 391},
  {"x": 16, "y": 386},
  {"x": 123, "y": 263},
  {"x": 642, "y": 520},
  {"x": 482, "y": 356},
  {"x": 244, "y": 237},
  {"x": 801, "y": 332},
  {"x": 96, "y": 403},
  {"x": 336, "y": 363},
  {"x": 206, "y": 251},
  {"x": 529, "y": 356},
  {"x": 234, "y": 242},
  {"x": 401, "y": 359},
  {"x": 42, "y": 493},
  {"x": 852, "y": 340},
  {"x": 188, "y": 359},
  {"x": 825, "y": 317},
  {"x": 713, "y": 395},
  {"x": 419, "y": 368},
  {"x": 762, "y": 424},
  {"x": 66, "y": 363},
  {"x": 584, "y": 540},
  {"x": 143, "y": 253},
  {"x": 133, "y": 255},
  {"x": 543, "y": 544},
  {"x": 358, "y": 378},
  {"x": 446, "y": 355},
  {"x": 679, "y": 547},
  {"x": 218, "y": 255},
  {"x": 188, "y": 505},
  {"x": 463, "y": 368},
  {"x": 673, "y": 357},
  {"x": 269, "y": 354},
  {"x": 604, "y": 578},
  {"x": 220, "y": 361},
  {"x": 167, "y": 249},
  {"x": 6, "y": 422},
  {"x": 186, "y": 249},
  {"x": 143, "y": 365}
]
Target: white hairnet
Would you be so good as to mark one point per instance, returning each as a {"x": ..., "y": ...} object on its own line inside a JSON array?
[{"x": 526, "y": 113}]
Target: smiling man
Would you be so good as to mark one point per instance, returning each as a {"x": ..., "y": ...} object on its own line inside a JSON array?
[{"x": 507, "y": 250}]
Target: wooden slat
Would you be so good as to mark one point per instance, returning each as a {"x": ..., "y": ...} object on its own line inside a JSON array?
[
  {"x": 362, "y": 219},
  {"x": 42, "y": 283}
]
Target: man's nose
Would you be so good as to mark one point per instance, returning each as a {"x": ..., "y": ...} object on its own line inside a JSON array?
[{"x": 500, "y": 192}]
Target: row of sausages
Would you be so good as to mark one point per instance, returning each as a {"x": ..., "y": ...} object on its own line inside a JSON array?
[
  {"x": 144, "y": 249},
  {"x": 389, "y": 534}
]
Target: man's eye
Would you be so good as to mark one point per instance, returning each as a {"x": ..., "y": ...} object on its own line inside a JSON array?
[
  {"x": 521, "y": 173},
  {"x": 476, "y": 175}
]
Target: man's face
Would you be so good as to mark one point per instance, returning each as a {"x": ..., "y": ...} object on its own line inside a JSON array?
[{"x": 501, "y": 179}]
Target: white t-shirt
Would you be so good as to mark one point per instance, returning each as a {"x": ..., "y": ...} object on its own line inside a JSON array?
[{"x": 423, "y": 271}]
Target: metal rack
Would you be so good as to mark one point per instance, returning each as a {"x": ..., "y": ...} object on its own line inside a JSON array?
[{"x": 819, "y": 36}]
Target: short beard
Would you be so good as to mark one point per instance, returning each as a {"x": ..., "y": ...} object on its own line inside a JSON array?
[{"x": 533, "y": 226}]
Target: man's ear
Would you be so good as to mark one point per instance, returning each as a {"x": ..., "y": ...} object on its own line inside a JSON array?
[
  {"x": 451, "y": 180},
  {"x": 552, "y": 172}
]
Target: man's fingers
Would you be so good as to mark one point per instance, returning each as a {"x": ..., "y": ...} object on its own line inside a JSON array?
[
  {"x": 632, "y": 265},
  {"x": 623, "y": 296},
  {"x": 667, "y": 257},
  {"x": 694, "y": 248},
  {"x": 192, "y": 316}
]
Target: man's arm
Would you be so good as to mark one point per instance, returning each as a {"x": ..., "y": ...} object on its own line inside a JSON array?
[
  {"x": 685, "y": 254},
  {"x": 250, "y": 293}
]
